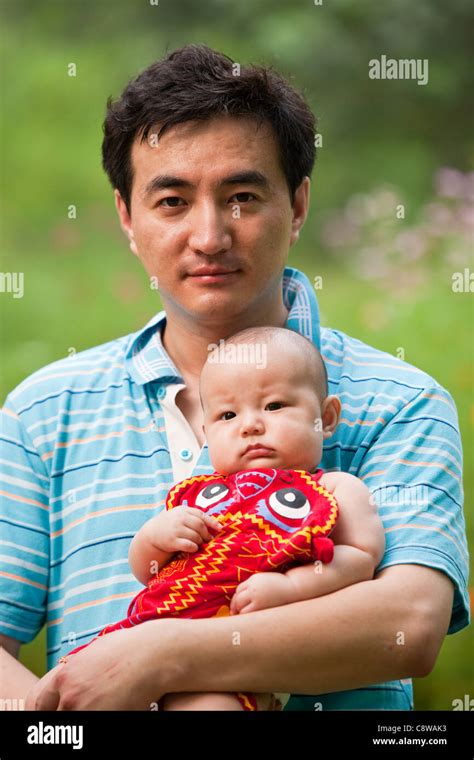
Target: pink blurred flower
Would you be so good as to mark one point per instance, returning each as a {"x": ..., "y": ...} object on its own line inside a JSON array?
[
  {"x": 386, "y": 202},
  {"x": 371, "y": 263},
  {"x": 465, "y": 215},
  {"x": 469, "y": 186},
  {"x": 339, "y": 231},
  {"x": 450, "y": 183},
  {"x": 438, "y": 218},
  {"x": 411, "y": 243}
]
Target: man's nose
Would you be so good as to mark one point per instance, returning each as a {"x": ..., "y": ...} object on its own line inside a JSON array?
[{"x": 209, "y": 233}]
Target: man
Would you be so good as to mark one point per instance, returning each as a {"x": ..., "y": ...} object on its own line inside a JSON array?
[{"x": 211, "y": 169}]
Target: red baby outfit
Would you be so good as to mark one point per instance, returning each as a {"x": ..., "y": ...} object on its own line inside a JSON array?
[{"x": 272, "y": 519}]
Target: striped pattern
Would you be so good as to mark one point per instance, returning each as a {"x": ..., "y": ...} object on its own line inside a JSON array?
[{"x": 85, "y": 462}]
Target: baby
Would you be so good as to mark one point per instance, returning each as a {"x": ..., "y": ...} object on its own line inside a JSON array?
[{"x": 255, "y": 533}]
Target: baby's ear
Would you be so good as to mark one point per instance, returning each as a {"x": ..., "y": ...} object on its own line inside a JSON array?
[{"x": 331, "y": 413}]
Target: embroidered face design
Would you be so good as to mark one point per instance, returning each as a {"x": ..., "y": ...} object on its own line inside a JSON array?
[{"x": 285, "y": 500}]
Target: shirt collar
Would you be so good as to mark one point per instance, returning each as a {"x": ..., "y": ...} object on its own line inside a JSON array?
[{"x": 146, "y": 359}]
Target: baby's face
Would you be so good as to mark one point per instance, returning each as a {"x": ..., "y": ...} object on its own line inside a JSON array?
[{"x": 261, "y": 417}]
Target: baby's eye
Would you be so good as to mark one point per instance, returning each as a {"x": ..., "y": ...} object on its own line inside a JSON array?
[
  {"x": 273, "y": 405},
  {"x": 224, "y": 415}
]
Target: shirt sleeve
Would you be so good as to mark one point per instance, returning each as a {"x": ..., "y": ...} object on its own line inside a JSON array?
[
  {"x": 414, "y": 471},
  {"x": 24, "y": 530}
]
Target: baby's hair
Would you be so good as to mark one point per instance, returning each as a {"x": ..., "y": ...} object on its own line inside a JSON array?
[{"x": 267, "y": 335}]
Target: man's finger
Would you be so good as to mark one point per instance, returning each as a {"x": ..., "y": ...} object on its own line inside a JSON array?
[
  {"x": 30, "y": 702},
  {"x": 48, "y": 699},
  {"x": 44, "y": 695}
]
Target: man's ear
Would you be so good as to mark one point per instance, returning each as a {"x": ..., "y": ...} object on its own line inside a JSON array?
[
  {"x": 300, "y": 209},
  {"x": 125, "y": 221},
  {"x": 330, "y": 415}
]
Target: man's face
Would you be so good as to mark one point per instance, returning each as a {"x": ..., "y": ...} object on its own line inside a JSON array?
[
  {"x": 273, "y": 409},
  {"x": 211, "y": 197}
]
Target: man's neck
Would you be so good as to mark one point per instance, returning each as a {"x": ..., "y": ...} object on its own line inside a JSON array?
[{"x": 187, "y": 341}]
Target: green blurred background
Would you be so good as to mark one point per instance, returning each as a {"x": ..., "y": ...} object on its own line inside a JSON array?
[{"x": 386, "y": 280}]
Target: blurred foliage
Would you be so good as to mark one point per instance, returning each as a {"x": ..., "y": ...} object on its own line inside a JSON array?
[{"x": 386, "y": 281}]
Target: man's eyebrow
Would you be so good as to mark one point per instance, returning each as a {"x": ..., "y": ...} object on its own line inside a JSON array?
[
  {"x": 251, "y": 177},
  {"x": 165, "y": 181}
]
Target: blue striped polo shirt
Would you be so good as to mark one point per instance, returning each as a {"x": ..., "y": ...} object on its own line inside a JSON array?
[{"x": 85, "y": 461}]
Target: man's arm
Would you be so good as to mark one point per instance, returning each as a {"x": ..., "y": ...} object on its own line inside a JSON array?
[
  {"x": 340, "y": 641},
  {"x": 24, "y": 502},
  {"x": 15, "y": 680},
  {"x": 333, "y": 643}
]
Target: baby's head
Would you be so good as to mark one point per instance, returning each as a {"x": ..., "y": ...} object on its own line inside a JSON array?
[{"x": 266, "y": 387}]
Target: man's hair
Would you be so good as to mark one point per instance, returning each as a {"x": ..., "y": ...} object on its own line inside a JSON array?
[{"x": 197, "y": 83}]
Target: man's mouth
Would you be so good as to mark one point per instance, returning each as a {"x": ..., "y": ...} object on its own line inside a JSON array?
[{"x": 213, "y": 274}]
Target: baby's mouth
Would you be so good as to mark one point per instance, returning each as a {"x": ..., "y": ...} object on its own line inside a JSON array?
[{"x": 258, "y": 450}]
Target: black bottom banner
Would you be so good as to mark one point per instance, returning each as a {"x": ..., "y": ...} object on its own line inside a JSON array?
[{"x": 377, "y": 734}]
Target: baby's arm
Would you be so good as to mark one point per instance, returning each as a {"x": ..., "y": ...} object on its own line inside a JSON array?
[
  {"x": 359, "y": 546},
  {"x": 179, "y": 529},
  {"x": 359, "y": 541}
]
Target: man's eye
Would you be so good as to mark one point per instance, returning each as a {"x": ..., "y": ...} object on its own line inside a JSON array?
[
  {"x": 244, "y": 197},
  {"x": 227, "y": 415},
  {"x": 171, "y": 202},
  {"x": 273, "y": 405}
]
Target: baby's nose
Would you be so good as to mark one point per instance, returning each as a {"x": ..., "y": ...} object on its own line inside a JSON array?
[{"x": 252, "y": 426}]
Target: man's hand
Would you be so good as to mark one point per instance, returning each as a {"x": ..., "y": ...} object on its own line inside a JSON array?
[
  {"x": 261, "y": 591},
  {"x": 113, "y": 673}
]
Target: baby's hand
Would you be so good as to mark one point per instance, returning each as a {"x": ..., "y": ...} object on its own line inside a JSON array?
[
  {"x": 261, "y": 591},
  {"x": 181, "y": 529}
]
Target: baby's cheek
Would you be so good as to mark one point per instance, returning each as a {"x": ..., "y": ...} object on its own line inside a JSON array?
[
  {"x": 223, "y": 452},
  {"x": 308, "y": 443},
  {"x": 303, "y": 433}
]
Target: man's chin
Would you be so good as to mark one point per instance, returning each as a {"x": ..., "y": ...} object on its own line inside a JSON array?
[{"x": 208, "y": 304}]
